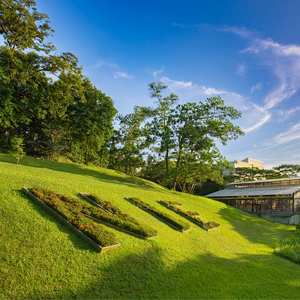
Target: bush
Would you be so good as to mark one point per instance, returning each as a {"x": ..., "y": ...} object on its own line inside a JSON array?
[
  {"x": 70, "y": 209},
  {"x": 118, "y": 218},
  {"x": 175, "y": 222}
]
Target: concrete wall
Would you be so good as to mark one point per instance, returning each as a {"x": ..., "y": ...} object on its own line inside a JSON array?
[{"x": 288, "y": 220}]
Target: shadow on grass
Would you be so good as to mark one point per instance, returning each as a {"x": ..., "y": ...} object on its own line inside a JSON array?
[
  {"x": 262, "y": 231},
  {"x": 149, "y": 276},
  {"x": 100, "y": 174}
]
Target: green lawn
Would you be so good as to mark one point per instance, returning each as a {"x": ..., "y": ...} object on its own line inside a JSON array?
[{"x": 40, "y": 258}]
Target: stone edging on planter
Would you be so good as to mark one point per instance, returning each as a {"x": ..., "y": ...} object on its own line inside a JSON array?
[
  {"x": 156, "y": 216},
  {"x": 66, "y": 223},
  {"x": 209, "y": 229}
]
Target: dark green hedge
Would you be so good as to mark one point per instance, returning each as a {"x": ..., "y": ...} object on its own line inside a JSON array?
[{"x": 181, "y": 225}]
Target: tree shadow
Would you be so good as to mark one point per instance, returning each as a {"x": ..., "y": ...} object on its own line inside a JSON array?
[
  {"x": 149, "y": 276},
  {"x": 262, "y": 231}
]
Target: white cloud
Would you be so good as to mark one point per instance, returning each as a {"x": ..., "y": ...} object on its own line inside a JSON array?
[
  {"x": 256, "y": 87},
  {"x": 242, "y": 69},
  {"x": 174, "y": 84},
  {"x": 122, "y": 75},
  {"x": 104, "y": 63},
  {"x": 290, "y": 135},
  {"x": 285, "y": 114},
  {"x": 178, "y": 25},
  {"x": 157, "y": 72},
  {"x": 284, "y": 63}
]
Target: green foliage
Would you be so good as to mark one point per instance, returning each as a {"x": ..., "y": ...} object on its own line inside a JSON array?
[
  {"x": 52, "y": 116},
  {"x": 211, "y": 225},
  {"x": 70, "y": 209},
  {"x": 192, "y": 215},
  {"x": 117, "y": 218},
  {"x": 288, "y": 170},
  {"x": 23, "y": 27},
  {"x": 17, "y": 148},
  {"x": 289, "y": 247},
  {"x": 250, "y": 174},
  {"x": 175, "y": 222}
]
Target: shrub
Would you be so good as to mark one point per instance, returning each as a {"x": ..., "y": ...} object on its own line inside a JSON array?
[
  {"x": 118, "y": 218},
  {"x": 181, "y": 225},
  {"x": 63, "y": 206}
]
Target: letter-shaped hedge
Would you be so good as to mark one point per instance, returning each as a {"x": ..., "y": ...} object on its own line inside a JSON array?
[
  {"x": 178, "y": 224},
  {"x": 114, "y": 216},
  {"x": 70, "y": 210}
]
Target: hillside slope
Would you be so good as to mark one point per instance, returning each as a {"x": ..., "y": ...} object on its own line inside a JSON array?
[{"x": 40, "y": 258}]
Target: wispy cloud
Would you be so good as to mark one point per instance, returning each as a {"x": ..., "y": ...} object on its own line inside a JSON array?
[
  {"x": 178, "y": 25},
  {"x": 260, "y": 115},
  {"x": 285, "y": 114},
  {"x": 117, "y": 72},
  {"x": 122, "y": 75},
  {"x": 100, "y": 64},
  {"x": 157, "y": 72},
  {"x": 241, "y": 69},
  {"x": 284, "y": 63},
  {"x": 256, "y": 87},
  {"x": 174, "y": 84},
  {"x": 290, "y": 135}
]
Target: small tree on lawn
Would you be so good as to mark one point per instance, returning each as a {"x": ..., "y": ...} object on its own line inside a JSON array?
[{"x": 17, "y": 148}]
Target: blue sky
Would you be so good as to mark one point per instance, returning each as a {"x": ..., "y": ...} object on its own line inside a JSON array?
[{"x": 248, "y": 52}]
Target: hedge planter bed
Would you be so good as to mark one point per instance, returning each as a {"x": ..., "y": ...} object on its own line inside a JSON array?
[
  {"x": 169, "y": 220},
  {"x": 94, "y": 234},
  {"x": 192, "y": 216},
  {"x": 85, "y": 197},
  {"x": 178, "y": 210},
  {"x": 112, "y": 216},
  {"x": 211, "y": 225}
]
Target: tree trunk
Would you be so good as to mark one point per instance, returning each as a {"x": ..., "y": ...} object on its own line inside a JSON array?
[
  {"x": 127, "y": 166},
  {"x": 167, "y": 161},
  {"x": 86, "y": 151},
  {"x": 177, "y": 166},
  {"x": 184, "y": 185}
]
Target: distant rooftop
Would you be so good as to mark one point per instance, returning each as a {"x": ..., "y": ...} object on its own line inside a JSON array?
[{"x": 297, "y": 179}]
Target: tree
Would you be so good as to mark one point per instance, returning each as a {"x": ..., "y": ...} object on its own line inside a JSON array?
[
  {"x": 91, "y": 118},
  {"x": 17, "y": 149},
  {"x": 133, "y": 138},
  {"x": 47, "y": 113},
  {"x": 288, "y": 170},
  {"x": 23, "y": 27},
  {"x": 195, "y": 127},
  {"x": 159, "y": 127}
]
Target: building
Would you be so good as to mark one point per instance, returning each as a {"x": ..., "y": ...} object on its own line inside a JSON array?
[
  {"x": 275, "y": 200},
  {"x": 245, "y": 163}
]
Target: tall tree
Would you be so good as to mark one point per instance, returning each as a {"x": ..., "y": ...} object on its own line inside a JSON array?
[
  {"x": 159, "y": 127},
  {"x": 133, "y": 138},
  {"x": 91, "y": 118},
  {"x": 196, "y": 126},
  {"x": 23, "y": 27}
]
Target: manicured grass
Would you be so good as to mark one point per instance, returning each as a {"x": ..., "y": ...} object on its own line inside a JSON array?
[{"x": 40, "y": 258}]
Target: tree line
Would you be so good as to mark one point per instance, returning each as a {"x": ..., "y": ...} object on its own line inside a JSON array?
[{"x": 48, "y": 109}]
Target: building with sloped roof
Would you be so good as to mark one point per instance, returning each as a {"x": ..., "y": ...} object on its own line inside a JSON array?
[
  {"x": 245, "y": 163},
  {"x": 276, "y": 200}
]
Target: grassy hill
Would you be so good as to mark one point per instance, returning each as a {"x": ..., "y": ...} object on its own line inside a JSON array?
[{"x": 40, "y": 258}]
